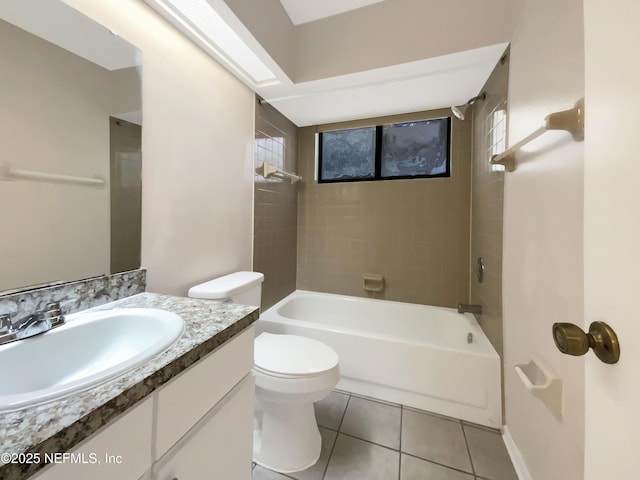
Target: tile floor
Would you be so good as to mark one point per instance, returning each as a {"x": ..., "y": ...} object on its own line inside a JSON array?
[{"x": 367, "y": 439}]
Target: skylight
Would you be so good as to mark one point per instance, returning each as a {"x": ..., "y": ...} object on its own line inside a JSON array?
[{"x": 201, "y": 23}]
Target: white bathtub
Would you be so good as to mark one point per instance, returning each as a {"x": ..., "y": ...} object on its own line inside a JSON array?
[{"x": 400, "y": 352}]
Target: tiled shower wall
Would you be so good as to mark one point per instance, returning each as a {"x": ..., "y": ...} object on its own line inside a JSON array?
[
  {"x": 487, "y": 202},
  {"x": 413, "y": 232},
  {"x": 276, "y": 206}
]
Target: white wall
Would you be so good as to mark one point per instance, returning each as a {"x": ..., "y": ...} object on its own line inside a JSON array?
[
  {"x": 54, "y": 118},
  {"x": 543, "y": 227},
  {"x": 197, "y": 143}
]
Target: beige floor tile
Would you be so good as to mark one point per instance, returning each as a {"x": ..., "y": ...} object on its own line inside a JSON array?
[
  {"x": 413, "y": 468},
  {"x": 261, "y": 473},
  {"x": 373, "y": 421},
  {"x": 436, "y": 439},
  {"x": 329, "y": 410},
  {"x": 355, "y": 459},
  {"x": 489, "y": 455},
  {"x": 317, "y": 471}
]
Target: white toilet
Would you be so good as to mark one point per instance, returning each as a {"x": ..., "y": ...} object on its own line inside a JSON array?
[{"x": 291, "y": 373}]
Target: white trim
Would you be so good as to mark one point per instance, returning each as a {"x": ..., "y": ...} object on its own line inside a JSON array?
[{"x": 514, "y": 454}]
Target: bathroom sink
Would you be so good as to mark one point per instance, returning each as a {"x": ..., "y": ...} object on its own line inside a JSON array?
[{"x": 90, "y": 348}]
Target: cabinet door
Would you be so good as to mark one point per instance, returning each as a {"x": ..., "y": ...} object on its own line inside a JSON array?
[
  {"x": 120, "y": 450},
  {"x": 187, "y": 398},
  {"x": 220, "y": 446}
]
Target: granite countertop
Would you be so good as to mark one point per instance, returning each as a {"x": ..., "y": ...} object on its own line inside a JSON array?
[{"x": 59, "y": 425}]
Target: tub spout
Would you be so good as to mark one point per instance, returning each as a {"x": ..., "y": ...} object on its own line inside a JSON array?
[{"x": 465, "y": 307}]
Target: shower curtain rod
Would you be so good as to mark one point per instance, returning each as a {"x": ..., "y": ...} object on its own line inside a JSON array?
[{"x": 571, "y": 121}]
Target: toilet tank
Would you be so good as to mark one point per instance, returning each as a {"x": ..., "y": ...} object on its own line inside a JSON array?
[{"x": 243, "y": 288}]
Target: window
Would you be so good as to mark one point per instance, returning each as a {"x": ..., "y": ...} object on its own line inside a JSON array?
[
  {"x": 268, "y": 149},
  {"x": 418, "y": 149},
  {"x": 497, "y": 133}
]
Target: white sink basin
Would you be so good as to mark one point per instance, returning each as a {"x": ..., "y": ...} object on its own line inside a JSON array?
[{"x": 88, "y": 349}]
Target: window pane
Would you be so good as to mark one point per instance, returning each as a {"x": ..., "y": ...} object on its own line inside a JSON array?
[
  {"x": 348, "y": 154},
  {"x": 415, "y": 148}
]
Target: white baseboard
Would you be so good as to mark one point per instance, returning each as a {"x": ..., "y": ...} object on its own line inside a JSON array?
[{"x": 514, "y": 453}]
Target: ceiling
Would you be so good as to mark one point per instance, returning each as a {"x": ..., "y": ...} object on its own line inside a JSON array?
[
  {"x": 410, "y": 87},
  {"x": 336, "y": 60},
  {"x": 303, "y": 11},
  {"x": 57, "y": 23},
  {"x": 340, "y": 60}
]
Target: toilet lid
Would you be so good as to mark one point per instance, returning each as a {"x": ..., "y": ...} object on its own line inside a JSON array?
[{"x": 292, "y": 355}]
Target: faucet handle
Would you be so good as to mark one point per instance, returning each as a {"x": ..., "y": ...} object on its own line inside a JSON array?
[
  {"x": 52, "y": 306},
  {"x": 53, "y": 313},
  {"x": 5, "y": 323}
]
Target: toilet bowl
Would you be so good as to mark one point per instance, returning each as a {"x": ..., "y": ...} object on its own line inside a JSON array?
[{"x": 291, "y": 373}]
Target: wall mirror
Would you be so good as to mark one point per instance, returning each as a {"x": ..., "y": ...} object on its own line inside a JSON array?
[{"x": 70, "y": 105}]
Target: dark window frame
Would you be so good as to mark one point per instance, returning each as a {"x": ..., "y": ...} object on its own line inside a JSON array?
[{"x": 378, "y": 155}]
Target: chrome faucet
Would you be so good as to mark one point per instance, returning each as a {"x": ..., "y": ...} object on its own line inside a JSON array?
[
  {"x": 30, "y": 325},
  {"x": 467, "y": 308}
]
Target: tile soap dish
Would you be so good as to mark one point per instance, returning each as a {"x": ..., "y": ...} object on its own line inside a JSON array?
[
  {"x": 373, "y": 282},
  {"x": 542, "y": 385}
]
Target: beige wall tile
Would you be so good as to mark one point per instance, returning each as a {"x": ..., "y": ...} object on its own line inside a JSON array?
[
  {"x": 405, "y": 230},
  {"x": 486, "y": 212},
  {"x": 276, "y": 211}
]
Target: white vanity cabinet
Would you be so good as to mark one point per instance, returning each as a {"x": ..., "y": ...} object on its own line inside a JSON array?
[
  {"x": 219, "y": 447},
  {"x": 205, "y": 417},
  {"x": 120, "y": 450},
  {"x": 198, "y": 425}
]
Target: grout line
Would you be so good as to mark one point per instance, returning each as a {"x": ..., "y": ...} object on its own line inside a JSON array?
[
  {"x": 400, "y": 456},
  {"x": 432, "y": 414},
  {"x": 344, "y": 414},
  {"x": 377, "y": 400},
  {"x": 372, "y": 443},
  {"x": 464, "y": 434},
  {"x": 336, "y": 439},
  {"x": 484, "y": 428},
  {"x": 277, "y": 473},
  {"x": 438, "y": 463},
  {"x": 327, "y": 428}
]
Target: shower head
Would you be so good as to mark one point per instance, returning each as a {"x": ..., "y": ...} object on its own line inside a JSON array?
[{"x": 460, "y": 110}]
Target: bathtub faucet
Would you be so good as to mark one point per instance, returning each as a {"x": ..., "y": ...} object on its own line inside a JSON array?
[{"x": 465, "y": 307}]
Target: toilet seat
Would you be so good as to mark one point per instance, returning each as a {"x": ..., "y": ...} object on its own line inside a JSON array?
[
  {"x": 291, "y": 373},
  {"x": 292, "y": 356},
  {"x": 284, "y": 376}
]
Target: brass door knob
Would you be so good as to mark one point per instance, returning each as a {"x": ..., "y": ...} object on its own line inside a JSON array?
[{"x": 571, "y": 340}]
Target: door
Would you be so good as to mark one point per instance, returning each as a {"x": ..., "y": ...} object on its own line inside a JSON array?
[{"x": 612, "y": 234}]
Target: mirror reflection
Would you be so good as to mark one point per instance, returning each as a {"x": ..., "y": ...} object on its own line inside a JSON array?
[{"x": 70, "y": 104}]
